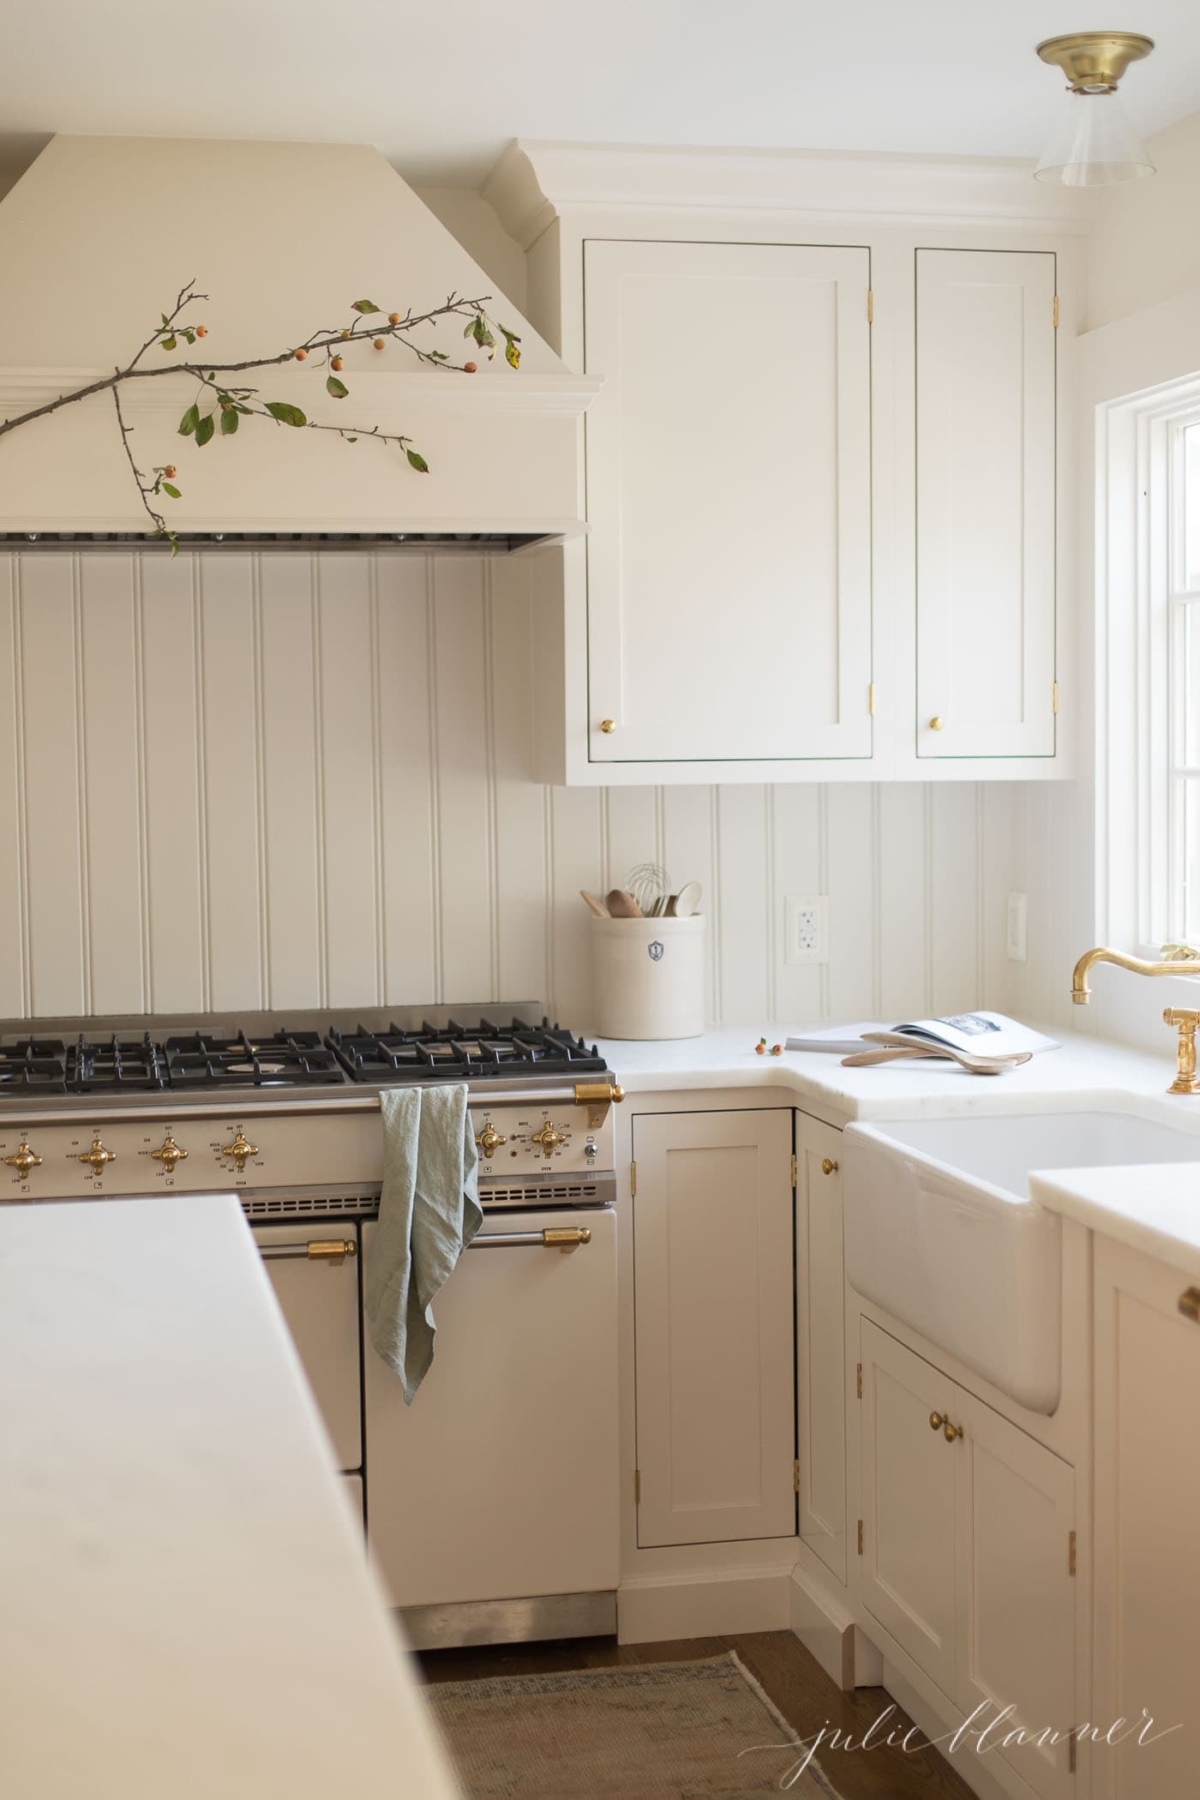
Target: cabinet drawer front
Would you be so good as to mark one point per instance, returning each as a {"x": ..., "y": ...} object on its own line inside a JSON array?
[
  {"x": 728, "y": 484},
  {"x": 985, "y": 416},
  {"x": 712, "y": 1228}
]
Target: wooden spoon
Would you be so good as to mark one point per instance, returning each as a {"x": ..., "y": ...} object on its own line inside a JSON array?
[
  {"x": 907, "y": 1051},
  {"x": 622, "y": 905},
  {"x": 593, "y": 905},
  {"x": 686, "y": 902}
]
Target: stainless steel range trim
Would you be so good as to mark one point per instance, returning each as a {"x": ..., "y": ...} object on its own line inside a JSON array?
[{"x": 524, "y": 1621}]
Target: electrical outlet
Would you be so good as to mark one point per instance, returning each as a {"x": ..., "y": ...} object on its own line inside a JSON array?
[
  {"x": 806, "y": 928},
  {"x": 1014, "y": 931}
]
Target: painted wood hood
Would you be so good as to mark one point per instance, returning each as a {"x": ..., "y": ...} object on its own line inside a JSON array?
[{"x": 97, "y": 239}]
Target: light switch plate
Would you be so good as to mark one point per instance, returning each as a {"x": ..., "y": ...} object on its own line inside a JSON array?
[
  {"x": 806, "y": 928},
  {"x": 1015, "y": 928}
]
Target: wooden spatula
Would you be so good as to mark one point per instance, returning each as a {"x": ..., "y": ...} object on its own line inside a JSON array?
[{"x": 894, "y": 1047}]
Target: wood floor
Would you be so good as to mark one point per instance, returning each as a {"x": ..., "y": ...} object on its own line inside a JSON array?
[{"x": 797, "y": 1684}]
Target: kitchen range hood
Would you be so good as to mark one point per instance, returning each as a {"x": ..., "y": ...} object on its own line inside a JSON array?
[{"x": 97, "y": 239}]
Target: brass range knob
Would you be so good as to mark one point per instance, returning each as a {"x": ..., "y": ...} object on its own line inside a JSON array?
[
  {"x": 548, "y": 1137},
  {"x": 241, "y": 1151},
  {"x": 97, "y": 1158},
  {"x": 169, "y": 1153},
  {"x": 488, "y": 1142},
  {"x": 23, "y": 1159}
]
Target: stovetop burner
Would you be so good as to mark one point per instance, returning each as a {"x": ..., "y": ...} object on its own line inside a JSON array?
[
  {"x": 266, "y": 1051},
  {"x": 463, "y": 1052}
]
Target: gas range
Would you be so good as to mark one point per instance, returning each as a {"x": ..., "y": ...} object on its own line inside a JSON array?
[{"x": 284, "y": 1108}]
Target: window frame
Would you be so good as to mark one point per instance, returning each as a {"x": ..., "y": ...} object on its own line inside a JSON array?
[{"x": 1142, "y": 606}]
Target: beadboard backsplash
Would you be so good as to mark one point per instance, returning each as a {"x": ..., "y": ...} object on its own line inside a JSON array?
[{"x": 233, "y": 781}]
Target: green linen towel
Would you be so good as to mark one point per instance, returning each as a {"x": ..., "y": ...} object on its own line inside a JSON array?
[{"x": 428, "y": 1213}]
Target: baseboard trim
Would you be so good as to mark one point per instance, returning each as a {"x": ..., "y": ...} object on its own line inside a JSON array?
[
  {"x": 703, "y": 1603},
  {"x": 825, "y": 1626}
]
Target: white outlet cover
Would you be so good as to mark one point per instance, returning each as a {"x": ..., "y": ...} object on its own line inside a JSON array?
[{"x": 806, "y": 928}]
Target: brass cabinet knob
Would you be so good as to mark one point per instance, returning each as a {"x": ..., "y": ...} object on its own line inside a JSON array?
[
  {"x": 1189, "y": 1301},
  {"x": 240, "y": 1150},
  {"x": 607, "y": 725},
  {"x": 488, "y": 1142},
  {"x": 23, "y": 1159},
  {"x": 937, "y": 723},
  {"x": 936, "y": 1421},
  {"x": 828, "y": 1167},
  {"x": 97, "y": 1157},
  {"x": 168, "y": 1154},
  {"x": 950, "y": 1432},
  {"x": 548, "y": 1137}
]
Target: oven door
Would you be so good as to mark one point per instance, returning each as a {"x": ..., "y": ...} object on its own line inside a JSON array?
[
  {"x": 492, "y": 1500},
  {"x": 314, "y": 1271}
]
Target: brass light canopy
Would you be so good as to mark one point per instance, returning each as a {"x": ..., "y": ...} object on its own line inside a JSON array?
[
  {"x": 1095, "y": 144},
  {"x": 1094, "y": 61}
]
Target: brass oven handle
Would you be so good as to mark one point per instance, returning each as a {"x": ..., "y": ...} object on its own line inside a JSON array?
[
  {"x": 332, "y": 1251},
  {"x": 565, "y": 1237}
]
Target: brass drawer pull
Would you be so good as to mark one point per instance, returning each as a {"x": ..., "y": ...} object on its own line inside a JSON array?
[
  {"x": 828, "y": 1167},
  {"x": 950, "y": 1432},
  {"x": 936, "y": 1421},
  {"x": 1189, "y": 1304}
]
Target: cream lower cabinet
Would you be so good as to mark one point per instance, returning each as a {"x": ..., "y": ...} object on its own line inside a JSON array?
[
  {"x": 1147, "y": 1509},
  {"x": 967, "y": 1555},
  {"x": 713, "y": 1322},
  {"x": 821, "y": 1342}
]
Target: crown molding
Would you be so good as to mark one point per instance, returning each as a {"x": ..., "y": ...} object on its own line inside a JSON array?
[{"x": 537, "y": 181}]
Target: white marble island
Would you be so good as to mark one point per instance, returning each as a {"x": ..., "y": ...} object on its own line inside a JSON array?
[{"x": 185, "y": 1607}]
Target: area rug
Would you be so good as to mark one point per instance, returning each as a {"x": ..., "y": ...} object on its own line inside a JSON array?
[{"x": 651, "y": 1731}]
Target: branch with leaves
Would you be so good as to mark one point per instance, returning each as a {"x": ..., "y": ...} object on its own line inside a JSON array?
[{"x": 222, "y": 401}]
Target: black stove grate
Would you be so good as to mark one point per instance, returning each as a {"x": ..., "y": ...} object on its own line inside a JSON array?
[
  {"x": 33, "y": 1063},
  {"x": 284, "y": 1059},
  {"x": 457, "y": 1052}
]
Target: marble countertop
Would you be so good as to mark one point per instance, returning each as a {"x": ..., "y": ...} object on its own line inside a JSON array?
[
  {"x": 187, "y": 1609},
  {"x": 1154, "y": 1208}
]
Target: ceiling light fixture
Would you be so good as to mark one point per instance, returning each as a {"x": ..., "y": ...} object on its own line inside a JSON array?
[{"x": 1095, "y": 144}]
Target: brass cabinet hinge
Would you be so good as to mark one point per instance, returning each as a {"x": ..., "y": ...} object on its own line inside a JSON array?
[
  {"x": 637, "y": 1487},
  {"x": 1054, "y": 695},
  {"x": 633, "y": 1178},
  {"x": 860, "y": 1548},
  {"x": 1056, "y": 312},
  {"x": 859, "y": 1382},
  {"x": 795, "y": 1169},
  {"x": 871, "y": 699},
  {"x": 796, "y": 1476},
  {"x": 1071, "y": 1554},
  {"x": 870, "y": 307}
]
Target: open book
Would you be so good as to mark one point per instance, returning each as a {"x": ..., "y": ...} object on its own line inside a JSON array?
[{"x": 978, "y": 1033}]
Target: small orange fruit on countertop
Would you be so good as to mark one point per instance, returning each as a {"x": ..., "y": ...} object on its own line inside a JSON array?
[{"x": 470, "y": 368}]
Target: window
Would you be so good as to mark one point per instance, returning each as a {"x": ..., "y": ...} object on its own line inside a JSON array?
[
  {"x": 1148, "y": 668},
  {"x": 1183, "y": 655}
]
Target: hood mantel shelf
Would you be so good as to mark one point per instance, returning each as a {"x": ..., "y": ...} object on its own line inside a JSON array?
[{"x": 502, "y": 445}]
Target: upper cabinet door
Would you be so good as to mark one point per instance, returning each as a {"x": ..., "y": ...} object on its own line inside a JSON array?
[
  {"x": 985, "y": 468},
  {"x": 728, "y": 495}
]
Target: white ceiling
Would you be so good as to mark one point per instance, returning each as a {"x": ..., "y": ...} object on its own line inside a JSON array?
[{"x": 441, "y": 88}]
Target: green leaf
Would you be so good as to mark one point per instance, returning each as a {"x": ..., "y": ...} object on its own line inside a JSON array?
[
  {"x": 479, "y": 331},
  {"x": 417, "y": 461},
  {"x": 174, "y": 542},
  {"x": 168, "y": 488},
  {"x": 190, "y": 337},
  {"x": 229, "y": 422},
  {"x": 168, "y": 343},
  {"x": 337, "y": 388},
  {"x": 205, "y": 430},
  {"x": 439, "y": 356},
  {"x": 189, "y": 421},
  {"x": 164, "y": 318},
  {"x": 512, "y": 355},
  {"x": 286, "y": 413},
  {"x": 365, "y": 306},
  {"x": 349, "y": 440}
]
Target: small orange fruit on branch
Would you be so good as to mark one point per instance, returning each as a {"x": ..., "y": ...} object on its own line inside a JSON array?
[
  {"x": 393, "y": 318},
  {"x": 202, "y": 331},
  {"x": 337, "y": 362},
  {"x": 301, "y": 355},
  {"x": 380, "y": 342}
]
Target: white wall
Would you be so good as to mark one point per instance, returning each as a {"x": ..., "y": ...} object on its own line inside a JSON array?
[
  {"x": 1146, "y": 246},
  {"x": 290, "y": 780}
]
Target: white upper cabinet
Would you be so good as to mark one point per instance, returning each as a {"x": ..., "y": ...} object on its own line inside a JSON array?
[
  {"x": 729, "y": 502},
  {"x": 985, "y": 485},
  {"x": 826, "y": 473}
]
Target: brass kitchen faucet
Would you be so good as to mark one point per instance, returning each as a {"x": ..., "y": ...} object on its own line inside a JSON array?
[{"x": 1178, "y": 959}]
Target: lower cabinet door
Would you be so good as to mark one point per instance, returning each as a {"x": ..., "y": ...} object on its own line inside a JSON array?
[
  {"x": 714, "y": 1310},
  {"x": 1016, "y": 1591},
  {"x": 1147, "y": 1566},
  {"x": 500, "y": 1480},
  {"x": 908, "y": 1574},
  {"x": 319, "y": 1300},
  {"x": 821, "y": 1342}
]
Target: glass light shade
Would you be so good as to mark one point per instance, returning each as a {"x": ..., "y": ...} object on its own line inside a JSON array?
[{"x": 1095, "y": 145}]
